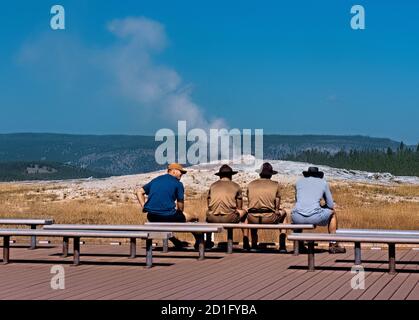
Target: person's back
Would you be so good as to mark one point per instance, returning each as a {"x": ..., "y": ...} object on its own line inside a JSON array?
[
  {"x": 163, "y": 192},
  {"x": 261, "y": 194},
  {"x": 309, "y": 192},
  {"x": 222, "y": 197}
]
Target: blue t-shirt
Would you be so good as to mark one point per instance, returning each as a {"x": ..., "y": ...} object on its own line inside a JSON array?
[{"x": 162, "y": 193}]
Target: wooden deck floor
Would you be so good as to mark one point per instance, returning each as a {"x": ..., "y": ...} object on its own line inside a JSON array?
[{"x": 107, "y": 273}]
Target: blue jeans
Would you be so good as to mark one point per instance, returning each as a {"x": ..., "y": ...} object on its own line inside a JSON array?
[{"x": 177, "y": 217}]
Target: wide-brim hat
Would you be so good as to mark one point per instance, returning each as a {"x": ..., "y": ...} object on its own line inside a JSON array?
[
  {"x": 176, "y": 166},
  {"x": 266, "y": 170},
  {"x": 225, "y": 170},
  {"x": 313, "y": 172}
]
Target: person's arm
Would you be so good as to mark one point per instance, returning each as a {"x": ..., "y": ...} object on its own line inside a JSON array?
[
  {"x": 180, "y": 197},
  {"x": 239, "y": 199},
  {"x": 209, "y": 197},
  {"x": 180, "y": 204},
  {"x": 141, "y": 197},
  {"x": 278, "y": 199},
  {"x": 328, "y": 197}
]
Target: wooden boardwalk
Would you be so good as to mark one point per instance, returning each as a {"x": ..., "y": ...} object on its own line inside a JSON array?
[{"x": 107, "y": 273}]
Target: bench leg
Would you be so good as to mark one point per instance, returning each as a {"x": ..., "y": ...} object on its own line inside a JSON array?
[
  {"x": 310, "y": 256},
  {"x": 165, "y": 245},
  {"x": 33, "y": 239},
  {"x": 296, "y": 248},
  {"x": 357, "y": 253},
  {"x": 149, "y": 253},
  {"x": 6, "y": 249},
  {"x": 201, "y": 246},
  {"x": 133, "y": 248},
  {"x": 392, "y": 258},
  {"x": 230, "y": 241},
  {"x": 76, "y": 251},
  {"x": 65, "y": 246},
  {"x": 282, "y": 242}
]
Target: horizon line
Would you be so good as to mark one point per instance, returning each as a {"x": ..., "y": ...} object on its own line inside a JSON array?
[{"x": 151, "y": 135}]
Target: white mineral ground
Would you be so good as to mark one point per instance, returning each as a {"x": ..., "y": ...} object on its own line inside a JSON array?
[{"x": 199, "y": 178}]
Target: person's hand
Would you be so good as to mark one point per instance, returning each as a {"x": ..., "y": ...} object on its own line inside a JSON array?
[{"x": 279, "y": 211}]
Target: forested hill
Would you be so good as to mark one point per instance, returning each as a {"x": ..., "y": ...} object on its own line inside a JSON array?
[
  {"x": 402, "y": 162},
  {"x": 125, "y": 154}
]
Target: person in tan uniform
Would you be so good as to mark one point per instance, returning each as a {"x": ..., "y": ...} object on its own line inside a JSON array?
[
  {"x": 225, "y": 202},
  {"x": 264, "y": 201}
]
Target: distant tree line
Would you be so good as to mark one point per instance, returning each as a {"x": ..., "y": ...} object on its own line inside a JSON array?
[{"x": 401, "y": 162}]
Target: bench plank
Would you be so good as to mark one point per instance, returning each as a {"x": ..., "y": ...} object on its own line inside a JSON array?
[
  {"x": 38, "y": 222},
  {"x": 30, "y": 222},
  {"x": 389, "y": 238},
  {"x": 147, "y": 228},
  {"x": 378, "y": 231},
  {"x": 168, "y": 228},
  {"x": 237, "y": 225},
  {"x": 231, "y": 226},
  {"x": 378, "y": 238},
  {"x": 76, "y": 235},
  {"x": 73, "y": 233}
]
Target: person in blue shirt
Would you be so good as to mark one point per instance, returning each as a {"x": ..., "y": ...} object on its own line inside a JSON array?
[
  {"x": 309, "y": 191},
  {"x": 165, "y": 199}
]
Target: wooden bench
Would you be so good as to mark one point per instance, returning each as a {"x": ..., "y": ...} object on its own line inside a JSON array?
[
  {"x": 33, "y": 223},
  {"x": 200, "y": 230},
  {"x": 76, "y": 235},
  {"x": 231, "y": 226},
  {"x": 390, "y": 239}
]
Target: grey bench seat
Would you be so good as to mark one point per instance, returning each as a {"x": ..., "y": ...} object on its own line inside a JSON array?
[
  {"x": 390, "y": 239},
  {"x": 29, "y": 222},
  {"x": 33, "y": 223},
  {"x": 76, "y": 235},
  {"x": 198, "y": 229},
  {"x": 378, "y": 231},
  {"x": 231, "y": 226}
]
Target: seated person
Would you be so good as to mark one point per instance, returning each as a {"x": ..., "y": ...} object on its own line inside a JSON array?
[
  {"x": 225, "y": 202},
  {"x": 165, "y": 199},
  {"x": 264, "y": 196},
  {"x": 310, "y": 190}
]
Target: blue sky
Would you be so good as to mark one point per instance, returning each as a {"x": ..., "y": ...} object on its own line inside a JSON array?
[{"x": 133, "y": 67}]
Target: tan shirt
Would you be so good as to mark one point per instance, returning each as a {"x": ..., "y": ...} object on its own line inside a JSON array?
[
  {"x": 222, "y": 197},
  {"x": 262, "y": 193}
]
